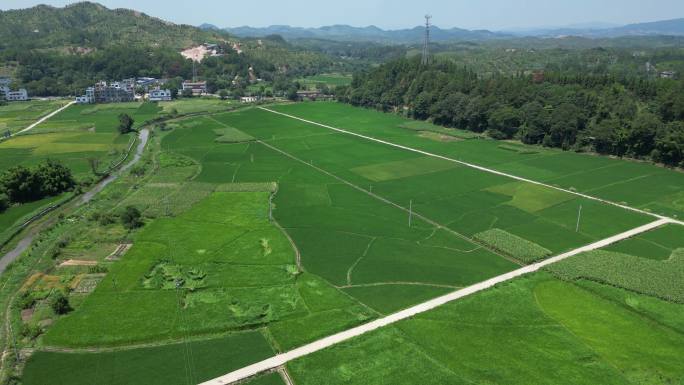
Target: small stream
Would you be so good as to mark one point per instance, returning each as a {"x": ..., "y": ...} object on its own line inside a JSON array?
[{"x": 25, "y": 242}]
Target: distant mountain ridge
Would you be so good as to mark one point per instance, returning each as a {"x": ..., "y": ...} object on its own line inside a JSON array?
[
  {"x": 370, "y": 33},
  {"x": 674, "y": 27}
]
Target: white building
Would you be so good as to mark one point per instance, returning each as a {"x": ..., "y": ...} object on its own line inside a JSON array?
[
  {"x": 13, "y": 96},
  {"x": 160, "y": 95},
  {"x": 249, "y": 99},
  {"x": 197, "y": 88}
]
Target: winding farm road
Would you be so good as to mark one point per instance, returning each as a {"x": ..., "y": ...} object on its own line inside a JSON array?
[
  {"x": 477, "y": 167},
  {"x": 282, "y": 359}
]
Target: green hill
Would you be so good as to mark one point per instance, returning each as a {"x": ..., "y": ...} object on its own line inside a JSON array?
[{"x": 91, "y": 25}]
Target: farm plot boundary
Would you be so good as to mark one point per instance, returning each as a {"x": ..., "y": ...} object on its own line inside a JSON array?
[
  {"x": 475, "y": 166},
  {"x": 281, "y": 359}
]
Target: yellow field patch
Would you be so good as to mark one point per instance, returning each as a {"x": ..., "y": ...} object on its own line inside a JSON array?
[
  {"x": 403, "y": 168},
  {"x": 53, "y": 143},
  {"x": 438, "y": 137},
  {"x": 530, "y": 197}
]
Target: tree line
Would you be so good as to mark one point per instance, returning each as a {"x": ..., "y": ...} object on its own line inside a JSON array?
[
  {"x": 618, "y": 115},
  {"x": 22, "y": 184}
]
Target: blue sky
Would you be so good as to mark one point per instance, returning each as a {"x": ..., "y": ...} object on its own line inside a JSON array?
[{"x": 486, "y": 14}]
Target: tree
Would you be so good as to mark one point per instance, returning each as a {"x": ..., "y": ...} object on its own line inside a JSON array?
[
  {"x": 504, "y": 123},
  {"x": 669, "y": 145},
  {"x": 4, "y": 202},
  {"x": 535, "y": 123},
  {"x": 125, "y": 123},
  {"x": 223, "y": 94},
  {"x": 20, "y": 184},
  {"x": 54, "y": 178},
  {"x": 292, "y": 94},
  {"x": 187, "y": 93},
  {"x": 60, "y": 303},
  {"x": 641, "y": 136},
  {"x": 131, "y": 218},
  {"x": 602, "y": 135}
]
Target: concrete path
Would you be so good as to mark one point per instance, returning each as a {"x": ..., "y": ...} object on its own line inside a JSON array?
[
  {"x": 44, "y": 118},
  {"x": 485, "y": 169},
  {"x": 282, "y": 359}
]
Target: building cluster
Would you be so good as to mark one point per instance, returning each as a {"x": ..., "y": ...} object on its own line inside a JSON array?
[
  {"x": 650, "y": 68},
  {"x": 313, "y": 95},
  {"x": 124, "y": 91},
  {"x": 8, "y": 94},
  {"x": 197, "y": 88}
]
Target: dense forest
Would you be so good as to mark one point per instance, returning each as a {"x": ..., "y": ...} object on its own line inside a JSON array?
[
  {"x": 21, "y": 184},
  {"x": 634, "y": 116}
]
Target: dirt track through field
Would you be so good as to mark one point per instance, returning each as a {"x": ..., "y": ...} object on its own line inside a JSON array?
[
  {"x": 282, "y": 359},
  {"x": 44, "y": 118},
  {"x": 471, "y": 165}
]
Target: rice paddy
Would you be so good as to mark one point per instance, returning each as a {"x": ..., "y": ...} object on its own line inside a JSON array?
[
  {"x": 16, "y": 116},
  {"x": 266, "y": 228}
]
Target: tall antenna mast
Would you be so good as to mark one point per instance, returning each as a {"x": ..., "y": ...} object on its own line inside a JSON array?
[{"x": 426, "y": 44}]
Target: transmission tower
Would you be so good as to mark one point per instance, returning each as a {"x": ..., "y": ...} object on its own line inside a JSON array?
[{"x": 426, "y": 44}]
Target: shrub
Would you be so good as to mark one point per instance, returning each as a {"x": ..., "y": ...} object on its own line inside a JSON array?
[
  {"x": 60, "y": 303},
  {"x": 4, "y": 202},
  {"x": 125, "y": 123},
  {"x": 661, "y": 279},
  {"x": 31, "y": 331},
  {"x": 512, "y": 245},
  {"x": 131, "y": 218}
]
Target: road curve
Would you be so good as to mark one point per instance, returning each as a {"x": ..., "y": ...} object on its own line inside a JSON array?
[{"x": 282, "y": 359}]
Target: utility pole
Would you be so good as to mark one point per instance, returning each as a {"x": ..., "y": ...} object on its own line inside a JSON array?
[
  {"x": 579, "y": 215},
  {"x": 410, "y": 211},
  {"x": 425, "y": 60}
]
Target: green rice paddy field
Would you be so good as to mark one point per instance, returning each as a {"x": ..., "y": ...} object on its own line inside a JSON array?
[
  {"x": 637, "y": 184},
  {"x": 588, "y": 328},
  {"x": 16, "y": 116},
  {"x": 75, "y": 135},
  {"x": 181, "y": 363},
  {"x": 210, "y": 264}
]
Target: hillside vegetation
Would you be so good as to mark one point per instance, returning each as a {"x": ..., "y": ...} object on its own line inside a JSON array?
[
  {"x": 624, "y": 115},
  {"x": 91, "y": 25},
  {"x": 61, "y": 51}
]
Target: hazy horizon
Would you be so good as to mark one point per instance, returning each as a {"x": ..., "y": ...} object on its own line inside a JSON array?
[{"x": 486, "y": 14}]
